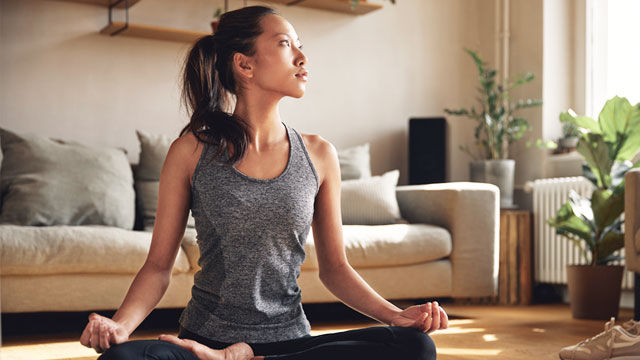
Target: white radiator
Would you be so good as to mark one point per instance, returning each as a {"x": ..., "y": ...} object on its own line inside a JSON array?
[{"x": 553, "y": 252}]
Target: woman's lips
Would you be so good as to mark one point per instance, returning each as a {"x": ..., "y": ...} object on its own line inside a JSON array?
[{"x": 302, "y": 75}]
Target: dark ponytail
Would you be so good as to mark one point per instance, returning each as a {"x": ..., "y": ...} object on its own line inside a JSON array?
[{"x": 209, "y": 81}]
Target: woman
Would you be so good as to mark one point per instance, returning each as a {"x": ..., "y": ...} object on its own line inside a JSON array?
[{"x": 254, "y": 186}]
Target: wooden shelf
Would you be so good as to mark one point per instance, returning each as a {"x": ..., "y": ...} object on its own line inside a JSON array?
[
  {"x": 104, "y": 3},
  {"x": 153, "y": 32},
  {"x": 343, "y": 6}
]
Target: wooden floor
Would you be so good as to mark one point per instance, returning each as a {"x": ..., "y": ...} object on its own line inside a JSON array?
[{"x": 475, "y": 332}]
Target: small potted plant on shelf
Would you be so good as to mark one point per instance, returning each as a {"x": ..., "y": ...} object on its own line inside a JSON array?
[
  {"x": 594, "y": 224},
  {"x": 216, "y": 20},
  {"x": 354, "y": 3},
  {"x": 570, "y": 134},
  {"x": 497, "y": 127}
]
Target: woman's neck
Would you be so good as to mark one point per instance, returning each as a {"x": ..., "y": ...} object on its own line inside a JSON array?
[{"x": 266, "y": 127}]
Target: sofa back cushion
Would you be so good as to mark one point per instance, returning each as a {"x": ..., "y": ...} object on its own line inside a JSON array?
[
  {"x": 54, "y": 182},
  {"x": 371, "y": 201},
  {"x": 355, "y": 162},
  {"x": 153, "y": 151}
]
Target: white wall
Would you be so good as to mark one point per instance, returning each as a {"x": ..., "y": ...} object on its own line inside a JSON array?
[{"x": 369, "y": 74}]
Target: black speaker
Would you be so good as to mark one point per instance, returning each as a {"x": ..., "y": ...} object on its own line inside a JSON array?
[{"x": 427, "y": 150}]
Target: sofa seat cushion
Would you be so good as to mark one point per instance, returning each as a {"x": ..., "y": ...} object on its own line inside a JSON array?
[
  {"x": 375, "y": 246},
  {"x": 31, "y": 250}
]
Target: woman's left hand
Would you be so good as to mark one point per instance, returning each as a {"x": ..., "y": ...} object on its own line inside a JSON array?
[{"x": 426, "y": 317}]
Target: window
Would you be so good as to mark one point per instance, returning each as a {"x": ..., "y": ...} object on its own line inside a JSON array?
[{"x": 613, "y": 52}]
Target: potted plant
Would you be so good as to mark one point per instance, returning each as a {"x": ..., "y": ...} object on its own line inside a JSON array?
[
  {"x": 570, "y": 136},
  {"x": 595, "y": 224},
  {"x": 216, "y": 20},
  {"x": 354, "y": 3},
  {"x": 497, "y": 127}
]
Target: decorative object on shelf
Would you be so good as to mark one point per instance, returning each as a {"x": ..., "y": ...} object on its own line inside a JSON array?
[
  {"x": 355, "y": 3},
  {"x": 218, "y": 12},
  {"x": 497, "y": 127},
  {"x": 216, "y": 19},
  {"x": 570, "y": 136},
  {"x": 343, "y": 6},
  {"x": 595, "y": 225}
]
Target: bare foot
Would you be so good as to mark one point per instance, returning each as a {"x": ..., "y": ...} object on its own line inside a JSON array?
[{"x": 238, "y": 351}]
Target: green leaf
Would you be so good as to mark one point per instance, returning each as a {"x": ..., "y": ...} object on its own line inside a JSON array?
[
  {"x": 584, "y": 122},
  {"x": 566, "y": 221},
  {"x": 606, "y": 207},
  {"x": 523, "y": 104},
  {"x": 614, "y": 118},
  {"x": 581, "y": 207},
  {"x": 596, "y": 153},
  {"x": 611, "y": 242},
  {"x": 618, "y": 171},
  {"x": 631, "y": 143},
  {"x": 457, "y": 112}
]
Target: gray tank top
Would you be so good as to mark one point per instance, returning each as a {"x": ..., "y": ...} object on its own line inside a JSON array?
[{"x": 251, "y": 235}]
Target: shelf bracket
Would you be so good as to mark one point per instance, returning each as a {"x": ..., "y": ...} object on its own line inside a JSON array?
[{"x": 126, "y": 10}]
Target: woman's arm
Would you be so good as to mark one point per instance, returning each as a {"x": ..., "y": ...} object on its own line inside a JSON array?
[
  {"x": 335, "y": 271},
  {"x": 153, "y": 278}
]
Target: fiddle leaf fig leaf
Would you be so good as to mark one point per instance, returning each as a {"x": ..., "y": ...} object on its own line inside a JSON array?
[
  {"x": 596, "y": 153},
  {"x": 614, "y": 118},
  {"x": 606, "y": 207},
  {"x": 611, "y": 242},
  {"x": 566, "y": 221}
]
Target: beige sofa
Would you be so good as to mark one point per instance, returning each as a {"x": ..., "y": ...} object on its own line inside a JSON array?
[{"x": 448, "y": 249}]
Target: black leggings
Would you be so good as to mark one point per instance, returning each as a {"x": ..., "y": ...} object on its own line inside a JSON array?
[{"x": 377, "y": 342}]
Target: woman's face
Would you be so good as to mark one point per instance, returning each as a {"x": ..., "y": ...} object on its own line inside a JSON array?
[{"x": 278, "y": 59}]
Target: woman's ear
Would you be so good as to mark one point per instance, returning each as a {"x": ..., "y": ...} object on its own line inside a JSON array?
[{"x": 242, "y": 65}]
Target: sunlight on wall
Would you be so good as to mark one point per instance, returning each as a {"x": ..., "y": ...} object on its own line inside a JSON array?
[{"x": 623, "y": 52}]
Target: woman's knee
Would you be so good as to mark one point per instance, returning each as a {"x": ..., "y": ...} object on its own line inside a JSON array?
[
  {"x": 124, "y": 351},
  {"x": 419, "y": 345}
]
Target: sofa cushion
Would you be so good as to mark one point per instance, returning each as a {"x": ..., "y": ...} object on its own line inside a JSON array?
[
  {"x": 153, "y": 151},
  {"x": 30, "y": 250},
  {"x": 355, "y": 162},
  {"x": 53, "y": 182},
  {"x": 373, "y": 246},
  {"x": 370, "y": 201}
]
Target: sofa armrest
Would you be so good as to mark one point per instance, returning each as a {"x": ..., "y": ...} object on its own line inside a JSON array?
[
  {"x": 632, "y": 220},
  {"x": 471, "y": 213}
]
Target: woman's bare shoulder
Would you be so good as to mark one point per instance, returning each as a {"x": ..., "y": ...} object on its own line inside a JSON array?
[
  {"x": 185, "y": 150},
  {"x": 321, "y": 151}
]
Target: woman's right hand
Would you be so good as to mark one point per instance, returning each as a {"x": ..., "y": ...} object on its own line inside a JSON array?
[{"x": 101, "y": 332}]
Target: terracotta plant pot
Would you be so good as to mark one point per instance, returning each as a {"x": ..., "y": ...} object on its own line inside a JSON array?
[
  {"x": 594, "y": 291},
  {"x": 214, "y": 26}
]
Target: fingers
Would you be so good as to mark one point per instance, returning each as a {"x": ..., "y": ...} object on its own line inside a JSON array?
[
  {"x": 184, "y": 343},
  {"x": 444, "y": 319},
  {"x": 104, "y": 337},
  {"x": 95, "y": 337},
  {"x": 86, "y": 336},
  {"x": 428, "y": 320},
  {"x": 435, "y": 314}
]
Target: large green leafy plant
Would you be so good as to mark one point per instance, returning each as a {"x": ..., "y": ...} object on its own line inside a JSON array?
[
  {"x": 497, "y": 124},
  {"x": 607, "y": 146}
]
